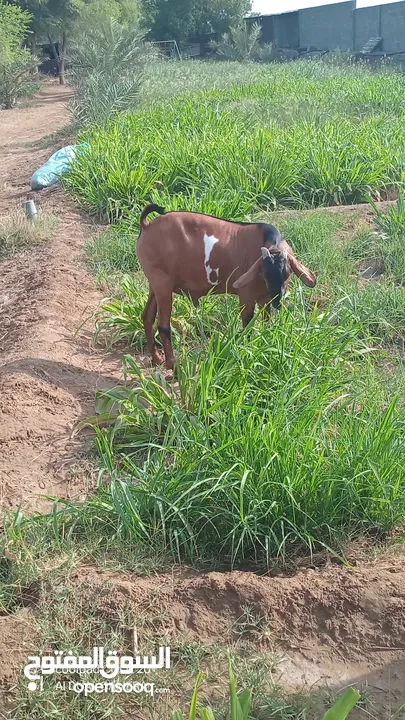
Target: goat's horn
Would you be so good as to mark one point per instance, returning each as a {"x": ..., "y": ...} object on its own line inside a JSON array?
[{"x": 265, "y": 252}]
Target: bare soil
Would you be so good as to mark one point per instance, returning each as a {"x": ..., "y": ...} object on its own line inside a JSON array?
[
  {"x": 48, "y": 378},
  {"x": 333, "y": 626}
]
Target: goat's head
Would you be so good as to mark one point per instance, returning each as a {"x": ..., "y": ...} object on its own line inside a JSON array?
[{"x": 276, "y": 266}]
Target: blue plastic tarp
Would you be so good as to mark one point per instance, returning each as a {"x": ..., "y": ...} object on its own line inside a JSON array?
[{"x": 50, "y": 172}]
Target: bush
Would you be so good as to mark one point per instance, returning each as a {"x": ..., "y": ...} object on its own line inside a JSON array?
[
  {"x": 242, "y": 43},
  {"x": 15, "y": 79},
  {"x": 16, "y": 63},
  {"x": 107, "y": 69}
]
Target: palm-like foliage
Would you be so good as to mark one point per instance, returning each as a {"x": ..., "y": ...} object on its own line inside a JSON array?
[
  {"x": 16, "y": 62},
  {"x": 242, "y": 43},
  {"x": 107, "y": 68}
]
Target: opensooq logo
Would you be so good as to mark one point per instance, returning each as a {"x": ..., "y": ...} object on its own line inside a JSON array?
[{"x": 109, "y": 666}]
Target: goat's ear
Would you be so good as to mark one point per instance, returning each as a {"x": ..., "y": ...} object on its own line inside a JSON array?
[
  {"x": 302, "y": 272},
  {"x": 248, "y": 276}
]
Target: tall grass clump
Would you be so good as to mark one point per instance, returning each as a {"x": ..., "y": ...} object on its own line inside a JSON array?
[
  {"x": 274, "y": 442},
  {"x": 391, "y": 226},
  {"x": 301, "y": 135},
  {"x": 110, "y": 253}
]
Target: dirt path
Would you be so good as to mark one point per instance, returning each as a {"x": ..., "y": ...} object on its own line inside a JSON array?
[{"x": 48, "y": 378}]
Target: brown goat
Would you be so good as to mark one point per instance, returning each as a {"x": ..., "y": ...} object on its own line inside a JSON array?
[{"x": 191, "y": 253}]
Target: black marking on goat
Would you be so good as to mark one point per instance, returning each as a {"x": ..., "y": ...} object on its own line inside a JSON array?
[
  {"x": 271, "y": 235},
  {"x": 165, "y": 331},
  {"x": 274, "y": 270},
  {"x": 248, "y": 319}
]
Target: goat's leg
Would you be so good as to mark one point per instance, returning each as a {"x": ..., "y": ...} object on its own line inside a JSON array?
[
  {"x": 247, "y": 309},
  {"x": 164, "y": 301},
  {"x": 266, "y": 308},
  {"x": 148, "y": 317}
]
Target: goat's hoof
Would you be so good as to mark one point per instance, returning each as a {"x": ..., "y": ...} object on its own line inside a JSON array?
[
  {"x": 171, "y": 370},
  {"x": 157, "y": 360}
]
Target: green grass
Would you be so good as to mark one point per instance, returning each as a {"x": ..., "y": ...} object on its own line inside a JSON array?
[
  {"x": 302, "y": 134},
  {"x": 111, "y": 253},
  {"x": 277, "y": 441},
  {"x": 392, "y": 228},
  {"x": 240, "y": 703}
]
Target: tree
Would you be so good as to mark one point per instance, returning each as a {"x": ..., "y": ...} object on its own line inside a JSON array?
[
  {"x": 242, "y": 43},
  {"x": 15, "y": 61},
  {"x": 93, "y": 12},
  {"x": 219, "y": 15},
  {"x": 58, "y": 19},
  {"x": 183, "y": 19},
  {"x": 61, "y": 20},
  {"x": 53, "y": 18},
  {"x": 35, "y": 9},
  {"x": 107, "y": 70}
]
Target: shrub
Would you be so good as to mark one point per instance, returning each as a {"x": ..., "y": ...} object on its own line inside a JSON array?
[
  {"x": 107, "y": 69},
  {"x": 16, "y": 63},
  {"x": 240, "y": 43}
]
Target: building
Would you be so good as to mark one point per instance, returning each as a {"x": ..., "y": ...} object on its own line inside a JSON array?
[{"x": 338, "y": 27}]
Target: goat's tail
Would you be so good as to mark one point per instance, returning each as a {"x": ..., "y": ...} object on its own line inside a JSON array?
[{"x": 147, "y": 211}]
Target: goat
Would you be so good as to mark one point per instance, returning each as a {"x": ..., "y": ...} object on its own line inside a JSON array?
[{"x": 191, "y": 254}]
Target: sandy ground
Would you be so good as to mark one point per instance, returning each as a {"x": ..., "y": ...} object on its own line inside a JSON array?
[
  {"x": 333, "y": 625},
  {"x": 48, "y": 377}
]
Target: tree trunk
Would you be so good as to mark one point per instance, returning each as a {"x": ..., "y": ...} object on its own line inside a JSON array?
[
  {"x": 61, "y": 68},
  {"x": 33, "y": 44},
  {"x": 61, "y": 63},
  {"x": 60, "y": 59},
  {"x": 34, "y": 52}
]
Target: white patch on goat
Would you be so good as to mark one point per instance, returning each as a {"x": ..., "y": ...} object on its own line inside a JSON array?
[{"x": 209, "y": 242}]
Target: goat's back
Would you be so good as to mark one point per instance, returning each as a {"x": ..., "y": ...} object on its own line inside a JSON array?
[{"x": 198, "y": 252}]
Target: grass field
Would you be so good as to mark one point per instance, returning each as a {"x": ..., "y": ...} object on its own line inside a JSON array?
[
  {"x": 279, "y": 440},
  {"x": 275, "y": 442},
  {"x": 305, "y": 134}
]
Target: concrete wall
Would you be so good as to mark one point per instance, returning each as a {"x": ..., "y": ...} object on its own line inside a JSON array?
[
  {"x": 367, "y": 25},
  {"x": 337, "y": 27},
  {"x": 393, "y": 27},
  {"x": 328, "y": 26},
  {"x": 267, "y": 22},
  {"x": 286, "y": 30}
]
